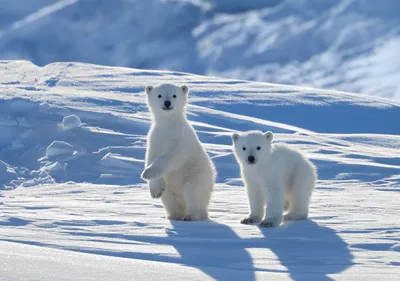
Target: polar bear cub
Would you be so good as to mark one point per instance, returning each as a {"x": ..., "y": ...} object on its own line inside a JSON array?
[
  {"x": 276, "y": 176},
  {"x": 177, "y": 166}
]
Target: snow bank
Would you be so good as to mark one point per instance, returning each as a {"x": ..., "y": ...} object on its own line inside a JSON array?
[
  {"x": 346, "y": 45},
  {"x": 82, "y": 123}
]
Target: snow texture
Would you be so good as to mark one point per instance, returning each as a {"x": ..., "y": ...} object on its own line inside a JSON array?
[
  {"x": 73, "y": 206},
  {"x": 350, "y": 45}
]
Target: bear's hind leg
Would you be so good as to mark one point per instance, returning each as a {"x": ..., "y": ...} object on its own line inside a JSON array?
[
  {"x": 173, "y": 204},
  {"x": 299, "y": 197},
  {"x": 197, "y": 196}
]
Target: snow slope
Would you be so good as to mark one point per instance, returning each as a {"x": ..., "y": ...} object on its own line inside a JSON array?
[
  {"x": 349, "y": 45},
  {"x": 72, "y": 204}
]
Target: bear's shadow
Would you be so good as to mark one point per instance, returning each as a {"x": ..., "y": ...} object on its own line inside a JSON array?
[{"x": 307, "y": 250}]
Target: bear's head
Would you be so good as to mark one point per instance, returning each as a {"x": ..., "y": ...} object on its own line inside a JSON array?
[
  {"x": 252, "y": 147},
  {"x": 167, "y": 100}
]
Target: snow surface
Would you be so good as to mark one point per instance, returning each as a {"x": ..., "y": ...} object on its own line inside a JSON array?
[
  {"x": 350, "y": 45},
  {"x": 72, "y": 205}
]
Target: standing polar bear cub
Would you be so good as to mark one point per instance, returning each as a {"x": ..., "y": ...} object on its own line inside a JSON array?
[
  {"x": 275, "y": 175},
  {"x": 177, "y": 166}
]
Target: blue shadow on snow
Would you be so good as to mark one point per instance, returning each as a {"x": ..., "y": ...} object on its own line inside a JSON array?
[{"x": 307, "y": 250}]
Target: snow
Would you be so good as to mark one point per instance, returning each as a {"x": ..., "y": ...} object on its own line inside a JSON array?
[
  {"x": 72, "y": 204},
  {"x": 71, "y": 121},
  {"x": 57, "y": 148},
  {"x": 349, "y": 45}
]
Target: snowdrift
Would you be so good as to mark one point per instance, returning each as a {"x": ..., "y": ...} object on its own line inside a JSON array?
[{"x": 349, "y": 45}]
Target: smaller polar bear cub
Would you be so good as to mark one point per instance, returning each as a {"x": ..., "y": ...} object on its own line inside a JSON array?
[
  {"x": 177, "y": 166},
  {"x": 276, "y": 176}
]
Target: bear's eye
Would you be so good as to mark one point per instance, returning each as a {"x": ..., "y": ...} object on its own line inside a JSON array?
[
  {"x": 174, "y": 96},
  {"x": 159, "y": 96},
  {"x": 258, "y": 148},
  {"x": 244, "y": 148}
]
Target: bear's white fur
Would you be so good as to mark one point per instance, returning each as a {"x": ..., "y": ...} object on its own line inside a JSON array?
[
  {"x": 276, "y": 176},
  {"x": 177, "y": 166}
]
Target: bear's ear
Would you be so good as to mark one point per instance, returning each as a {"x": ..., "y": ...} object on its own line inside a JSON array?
[
  {"x": 235, "y": 137},
  {"x": 269, "y": 135},
  {"x": 148, "y": 89},
  {"x": 185, "y": 89}
]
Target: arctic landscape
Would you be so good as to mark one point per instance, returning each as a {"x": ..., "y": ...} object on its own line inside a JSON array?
[
  {"x": 348, "y": 45},
  {"x": 73, "y": 205}
]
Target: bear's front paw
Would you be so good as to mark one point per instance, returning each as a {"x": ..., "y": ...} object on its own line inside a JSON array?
[
  {"x": 270, "y": 223},
  {"x": 150, "y": 174},
  {"x": 157, "y": 192},
  {"x": 249, "y": 220}
]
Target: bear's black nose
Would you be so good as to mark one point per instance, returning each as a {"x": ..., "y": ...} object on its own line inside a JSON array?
[
  {"x": 167, "y": 103},
  {"x": 251, "y": 159}
]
